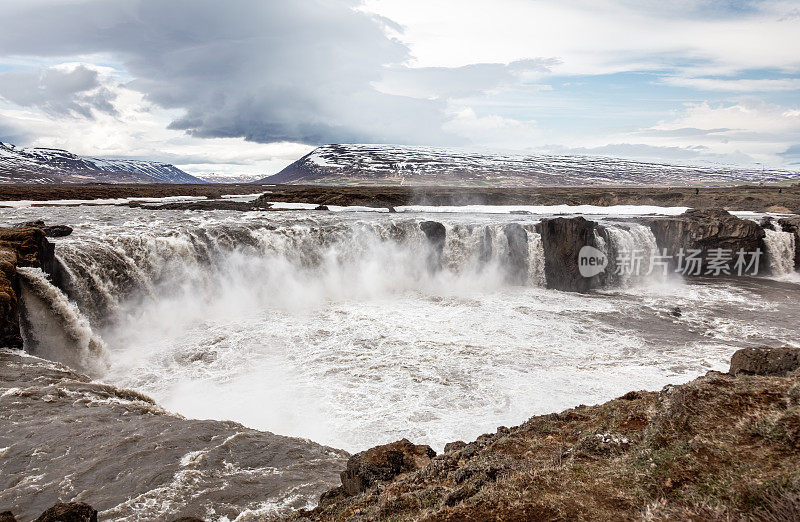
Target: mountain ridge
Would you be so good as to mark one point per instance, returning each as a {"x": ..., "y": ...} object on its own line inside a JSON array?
[
  {"x": 410, "y": 165},
  {"x": 38, "y": 165}
]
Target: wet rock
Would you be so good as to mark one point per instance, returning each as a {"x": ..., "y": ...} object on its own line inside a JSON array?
[
  {"x": 707, "y": 230},
  {"x": 768, "y": 223},
  {"x": 676, "y": 312},
  {"x": 7, "y": 516},
  {"x": 69, "y": 512},
  {"x": 562, "y": 241},
  {"x": 321, "y": 207},
  {"x": 49, "y": 230},
  {"x": 383, "y": 463},
  {"x": 765, "y": 361},
  {"x": 518, "y": 258},
  {"x": 436, "y": 234},
  {"x": 21, "y": 247}
]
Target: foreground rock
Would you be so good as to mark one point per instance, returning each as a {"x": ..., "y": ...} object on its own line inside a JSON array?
[
  {"x": 722, "y": 447},
  {"x": 383, "y": 463},
  {"x": 765, "y": 361},
  {"x": 69, "y": 512},
  {"x": 65, "y": 438}
]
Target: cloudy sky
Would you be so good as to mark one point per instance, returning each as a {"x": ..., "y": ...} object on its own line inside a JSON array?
[{"x": 247, "y": 86}]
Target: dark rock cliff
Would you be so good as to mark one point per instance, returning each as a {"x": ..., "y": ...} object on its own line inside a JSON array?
[
  {"x": 562, "y": 240},
  {"x": 707, "y": 230},
  {"x": 21, "y": 247}
]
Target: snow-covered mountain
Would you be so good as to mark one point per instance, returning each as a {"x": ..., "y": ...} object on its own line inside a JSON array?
[
  {"x": 40, "y": 165},
  {"x": 391, "y": 164}
]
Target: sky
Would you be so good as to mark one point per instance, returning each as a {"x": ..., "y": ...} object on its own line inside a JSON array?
[{"x": 248, "y": 86}]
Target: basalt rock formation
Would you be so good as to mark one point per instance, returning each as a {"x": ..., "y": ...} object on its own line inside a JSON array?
[
  {"x": 21, "y": 247},
  {"x": 707, "y": 230},
  {"x": 49, "y": 230},
  {"x": 722, "y": 447},
  {"x": 562, "y": 240}
]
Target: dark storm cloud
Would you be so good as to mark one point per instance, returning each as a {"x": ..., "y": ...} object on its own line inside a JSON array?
[
  {"x": 61, "y": 92},
  {"x": 267, "y": 71}
]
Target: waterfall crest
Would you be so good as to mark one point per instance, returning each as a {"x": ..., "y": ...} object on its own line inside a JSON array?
[{"x": 304, "y": 261}]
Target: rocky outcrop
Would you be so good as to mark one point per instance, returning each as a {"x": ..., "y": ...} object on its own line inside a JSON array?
[
  {"x": 721, "y": 447},
  {"x": 792, "y": 224},
  {"x": 20, "y": 247},
  {"x": 706, "y": 230},
  {"x": 49, "y": 230},
  {"x": 765, "y": 361},
  {"x": 562, "y": 240},
  {"x": 436, "y": 234},
  {"x": 383, "y": 463},
  {"x": 69, "y": 512}
]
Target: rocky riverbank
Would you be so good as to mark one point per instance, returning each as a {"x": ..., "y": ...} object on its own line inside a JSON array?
[{"x": 722, "y": 447}]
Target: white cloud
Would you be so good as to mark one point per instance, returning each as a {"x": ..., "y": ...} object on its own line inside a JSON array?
[
  {"x": 745, "y": 129},
  {"x": 734, "y": 85},
  {"x": 596, "y": 36}
]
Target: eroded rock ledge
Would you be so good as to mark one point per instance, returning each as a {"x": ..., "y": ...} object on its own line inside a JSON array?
[
  {"x": 722, "y": 447},
  {"x": 21, "y": 247}
]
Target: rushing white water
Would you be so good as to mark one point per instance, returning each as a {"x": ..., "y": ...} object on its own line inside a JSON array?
[
  {"x": 780, "y": 250},
  {"x": 54, "y": 327},
  {"x": 633, "y": 252},
  {"x": 352, "y": 330}
]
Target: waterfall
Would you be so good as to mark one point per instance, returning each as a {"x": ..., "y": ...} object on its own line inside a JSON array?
[
  {"x": 632, "y": 250},
  {"x": 303, "y": 261},
  {"x": 780, "y": 250},
  {"x": 54, "y": 328}
]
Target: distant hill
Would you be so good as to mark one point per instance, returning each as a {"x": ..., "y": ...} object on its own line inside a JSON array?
[
  {"x": 403, "y": 165},
  {"x": 40, "y": 165}
]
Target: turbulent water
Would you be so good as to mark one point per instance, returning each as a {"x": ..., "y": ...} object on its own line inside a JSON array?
[
  {"x": 780, "y": 250},
  {"x": 352, "y": 330}
]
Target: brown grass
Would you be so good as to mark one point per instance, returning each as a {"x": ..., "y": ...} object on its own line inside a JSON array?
[{"x": 718, "y": 448}]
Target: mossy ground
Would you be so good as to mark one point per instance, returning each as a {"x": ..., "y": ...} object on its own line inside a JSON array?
[{"x": 717, "y": 448}]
